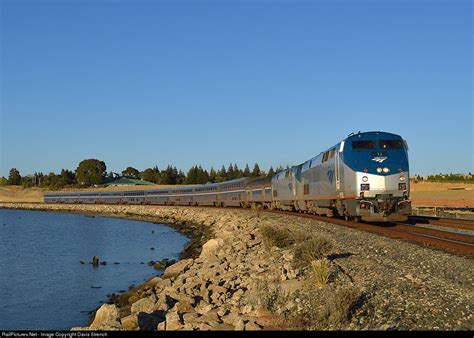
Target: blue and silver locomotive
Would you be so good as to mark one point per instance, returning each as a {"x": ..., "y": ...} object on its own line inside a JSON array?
[{"x": 364, "y": 177}]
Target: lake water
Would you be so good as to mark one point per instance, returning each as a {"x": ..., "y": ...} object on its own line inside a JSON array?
[{"x": 43, "y": 285}]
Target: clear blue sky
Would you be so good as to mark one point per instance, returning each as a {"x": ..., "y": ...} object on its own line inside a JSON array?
[{"x": 139, "y": 83}]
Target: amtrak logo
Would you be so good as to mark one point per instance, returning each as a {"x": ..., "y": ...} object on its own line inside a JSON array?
[{"x": 379, "y": 159}]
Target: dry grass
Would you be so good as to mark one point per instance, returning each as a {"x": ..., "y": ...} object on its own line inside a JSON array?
[
  {"x": 320, "y": 272},
  {"x": 312, "y": 249},
  {"x": 324, "y": 309},
  {"x": 276, "y": 236},
  {"x": 271, "y": 296},
  {"x": 18, "y": 194},
  {"x": 435, "y": 186}
]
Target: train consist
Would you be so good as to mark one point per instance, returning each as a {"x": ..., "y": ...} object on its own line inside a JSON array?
[{"x": 363, "y": 177}]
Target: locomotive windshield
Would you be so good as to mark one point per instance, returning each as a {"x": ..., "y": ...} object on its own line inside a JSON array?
[
  {"x": 359, "y": 145},
  {"x": 383, "y": 144},
  {"x": 391, "y": 144}
]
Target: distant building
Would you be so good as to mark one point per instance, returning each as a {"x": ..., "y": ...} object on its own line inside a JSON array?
[{"x": 124, "y": 181}]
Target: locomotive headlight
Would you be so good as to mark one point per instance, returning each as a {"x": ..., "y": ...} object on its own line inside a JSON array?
[
  {"x": 402, "y": 178},
  {"x": 365, "y": 178},
  {"x": 386, "y": 170},
  {"x": 379, "y": 170}
]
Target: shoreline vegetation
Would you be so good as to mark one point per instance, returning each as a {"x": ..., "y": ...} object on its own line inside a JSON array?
[{"x": 248, "y": 270}]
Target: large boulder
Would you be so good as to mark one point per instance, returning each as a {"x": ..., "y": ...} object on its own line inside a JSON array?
[
  {"x": 177, "y": 268},
  {"x": 210, "y": 247},
  {"x": 145, "y": 305},
  {"x": 106, "y": 318}
]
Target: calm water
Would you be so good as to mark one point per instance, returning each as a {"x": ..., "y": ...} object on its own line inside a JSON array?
[{"x": 42, "y": 283}]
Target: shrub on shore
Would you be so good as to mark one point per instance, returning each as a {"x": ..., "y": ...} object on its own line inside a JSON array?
[
  {"x": 313, "y": 249},
  {"x": 274, "y": 236},
  {"x": 320, "y": 271}
]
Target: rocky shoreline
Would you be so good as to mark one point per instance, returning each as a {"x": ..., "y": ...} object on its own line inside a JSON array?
[{"x": 248, "y": 270}]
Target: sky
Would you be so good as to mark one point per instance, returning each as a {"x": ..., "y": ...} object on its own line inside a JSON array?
[{"x": 143, "y": 83}]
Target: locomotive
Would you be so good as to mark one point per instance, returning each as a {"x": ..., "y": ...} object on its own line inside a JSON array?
[{"x": 363, "y": 177}]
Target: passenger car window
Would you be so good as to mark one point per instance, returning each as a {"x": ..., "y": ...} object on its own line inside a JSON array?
[{"x": 359, "y": 145}]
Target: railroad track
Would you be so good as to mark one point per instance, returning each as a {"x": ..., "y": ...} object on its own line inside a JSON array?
[
  {"x": 456, "y": 223},
  {"x": 446, "y": 240}
]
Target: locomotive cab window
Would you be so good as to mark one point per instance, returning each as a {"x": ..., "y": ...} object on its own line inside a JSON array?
[
  {"x": 391, "y": 144},
  {"x": 331, "y": 153},
  {"x": 361, "y": 145}
]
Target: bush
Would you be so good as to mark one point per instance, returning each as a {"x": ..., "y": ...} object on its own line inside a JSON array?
[
  {"x": 325, "y": 308},
  {"x": 273, "y": 236},
  {"x": 341, "y": 305},
  {"x": 271, "y": 296},
  {"x": 310, "y": 250},
  {"x": 320, "y": 271}
]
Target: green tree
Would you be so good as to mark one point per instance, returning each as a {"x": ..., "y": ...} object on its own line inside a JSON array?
[
  {"x": 181, "y": 177},
  {"x": 91, "y": 172},
  {"x": 212, "y": 175},
  {"x": 222, "y": 175},
  {"x": 246, "y": 172},
  {"x": 131, "y": 172},
  {"x": 3, "y": 181},
  {"x": 256, "y": 171},
  {"x": 271, "y": 172},
  {"x": 14, "y": 177},
  {"x": 68, "y": 177},
  {"x": 230, "y": 172},
  {"x": 192, "y": 176},
  {"x": 148, "y": 175},
  {"x": 156, "y": 175},
  {"x": 169, "y": 175},
  {"x": 202, "y": 176},
  {"x": 237, "y": 172}
]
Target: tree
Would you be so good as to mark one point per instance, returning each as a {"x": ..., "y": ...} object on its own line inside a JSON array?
[
  {"x": 68, "y": 177},
  {"x": 256, "y": 171},
  {"x": 212, "y": 175},
  {"x": 192, "y": 176},
  {"x": 202, "y": 176},
  {"x": 3, "y": 181},
  {"x": 148, "y": 175},
  {"x": 157, "y": 172},
  {"x": 221, "y": 175},
  {"x": 237, "y": 172},
  {"x": 246, "y": 172},
  {"x": 169, "y": 175},
  {"x": 131, "y": 172},
  {"x": 230, "y": 172},
  {"x": 181, "y": 177},
  {"x": 271, "y": 172},
  {"x": 90, "y": 172},
  {"x": 14, "y": 177},
  {"x": 279, "y": 169}
]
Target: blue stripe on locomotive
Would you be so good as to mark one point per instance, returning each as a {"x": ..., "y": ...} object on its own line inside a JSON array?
[{"x": 358, "y": 160}]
